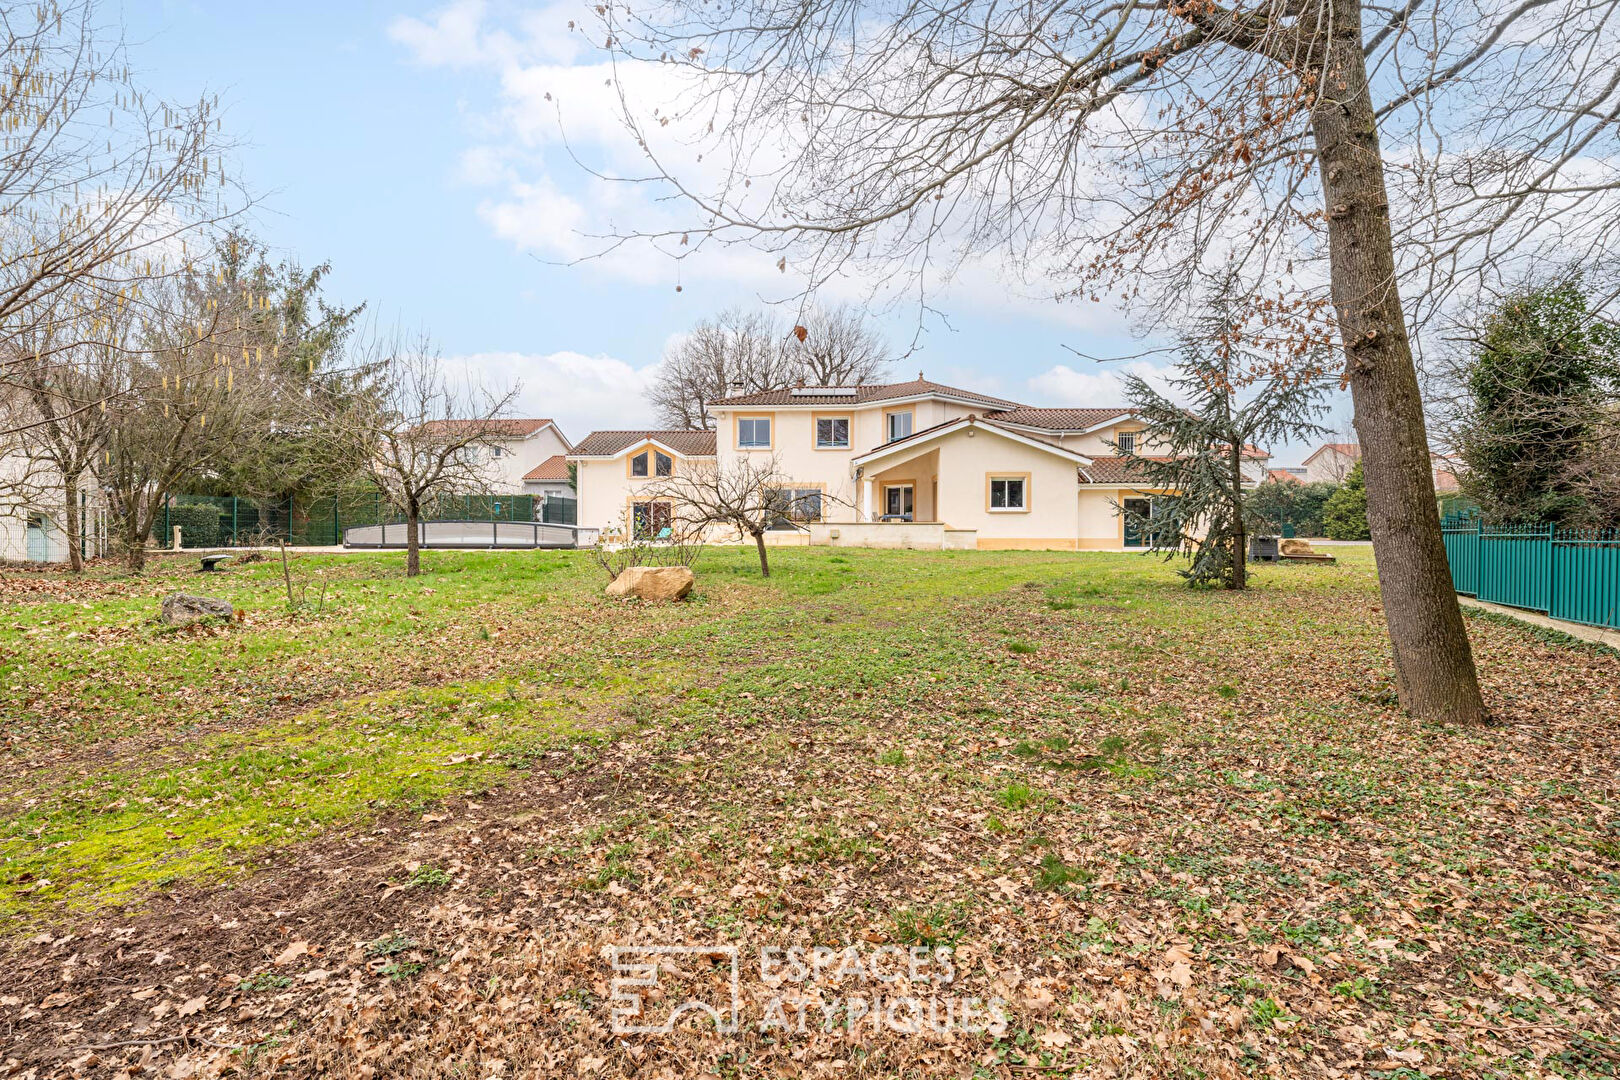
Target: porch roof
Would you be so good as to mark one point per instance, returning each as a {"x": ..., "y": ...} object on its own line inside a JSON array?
[{"x": 919, "y": 439}]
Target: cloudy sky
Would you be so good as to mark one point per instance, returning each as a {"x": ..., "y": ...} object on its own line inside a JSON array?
[{"x": 418, "y": 146}]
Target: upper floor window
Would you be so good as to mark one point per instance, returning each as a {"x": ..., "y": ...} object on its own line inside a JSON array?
[
  {"x": 832, "y": 432},
  {"x": 1126, "y": 441},
  {"x": 638, "y": 464},
  {"x": 663, "y": 465},
  {"x": 754, "y": 433},
  {"x": 494, "y": 451},
  {"x": 899, "y": 425}
]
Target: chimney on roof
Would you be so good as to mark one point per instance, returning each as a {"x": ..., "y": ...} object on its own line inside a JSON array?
[{"x": 735, "y": 386}]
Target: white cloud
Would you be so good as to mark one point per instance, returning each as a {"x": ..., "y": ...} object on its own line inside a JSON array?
[
  {"x": 1063, "y": 385},
  {"x": 582, "y": 393},
  {"x": 452, "y": 38}
]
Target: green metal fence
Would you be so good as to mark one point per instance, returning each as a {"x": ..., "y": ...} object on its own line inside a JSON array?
[{"x": 1570, "y": 574}]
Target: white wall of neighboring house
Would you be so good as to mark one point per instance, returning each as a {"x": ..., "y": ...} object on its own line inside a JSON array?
[
  {"x": 1331, "y": 463},
  {"x": 506, "y": 460},
  {"x": 32, "y": 527}
]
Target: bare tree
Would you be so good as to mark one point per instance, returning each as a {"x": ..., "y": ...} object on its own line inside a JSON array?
[
  {"x": 68, "y": 423},
  {"x": 749, "y": 495},
  {"x": 836, "y": 346},
  {"x": 186, "y": 381},
  {"x": 423, "y": 433},
  {"x": 736, "y": 352},
  {"x": 1148, "y": 144},
  {"x": 102, "y": 190},
  {"x": 746, "y": 352}
]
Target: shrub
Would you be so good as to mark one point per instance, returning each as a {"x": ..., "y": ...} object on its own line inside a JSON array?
[
  {"x": 199, "y": 525},
  {"x": 1345, "y": 514}
]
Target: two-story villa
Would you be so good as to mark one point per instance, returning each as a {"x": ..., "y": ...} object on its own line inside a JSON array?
[{"x": 913, "y": 464}]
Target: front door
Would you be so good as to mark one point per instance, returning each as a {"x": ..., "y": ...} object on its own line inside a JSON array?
[
  {"x": 39, "y": 545},
  {"x": 1135, "y": 510},
  {"x": 898, "y": 502}
]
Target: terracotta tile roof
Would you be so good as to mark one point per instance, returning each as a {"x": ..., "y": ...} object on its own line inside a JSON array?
[
  {"x": 1058, "y": 419},
  {"x": 864, "y": 394},
  {"x": 984, "y": 421},
  {"x": 1282, "y": 476},
  {"x": 507, "y": 428},
  {"x": 554, "y": 467},
  {"x": 1116, "y": 470},
  {"x": 609, "y": 443}
]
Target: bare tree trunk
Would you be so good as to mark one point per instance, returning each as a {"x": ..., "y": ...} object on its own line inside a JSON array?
[
  {"x": 73, "y": 521},
  {"x": 1434, "y": 665},
  {"x": 413, "y": 540},
  {"x": 134, "y": 543},
  {"x": 764, "y": 563},
  {"x": 1240, "y": 532}
]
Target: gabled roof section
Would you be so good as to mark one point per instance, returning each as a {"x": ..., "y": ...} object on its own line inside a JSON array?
[
  {"x": 1346, "y": 449},
  {"x": 1117, "y": 470},
  {"x": 1066, "y": 420},
  {"x": 926, "y": 435},
  {"x": 613, "y": 443},
  {"x": 503, "y": 428},
  {"x": 864, "y": 394},
  {"x": 554, "y": 467}
]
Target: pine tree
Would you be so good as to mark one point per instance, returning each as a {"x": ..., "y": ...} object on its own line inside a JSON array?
[
  {"x": 1235, "y": 397},
  {"x": 1345, "y": 515}
]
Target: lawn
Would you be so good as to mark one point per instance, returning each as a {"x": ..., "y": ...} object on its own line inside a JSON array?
[{"x": 395, "y": 829}]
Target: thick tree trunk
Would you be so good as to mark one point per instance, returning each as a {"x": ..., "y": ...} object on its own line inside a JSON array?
[
  {"x": 1434, "y": 665},
  {"x": 134, "y": 542},
  {"x": 413, "y": 541},
  {"x": 764, "y": 563},
  {"x": 73, "y": 522}
]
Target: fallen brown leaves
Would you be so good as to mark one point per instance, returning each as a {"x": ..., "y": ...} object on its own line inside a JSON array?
[{"x": 1229, "y": 857}]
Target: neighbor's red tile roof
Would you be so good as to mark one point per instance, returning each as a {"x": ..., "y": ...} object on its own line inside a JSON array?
[
  {"x": 504, "y": 428},
  {"x": 864, "y": 393},
  {"x": 1282, "y": 476},
  {"x": 554, "y": 467},
  {"x": 608, "y": 443},
  {"x": 1058, "y": 419}
]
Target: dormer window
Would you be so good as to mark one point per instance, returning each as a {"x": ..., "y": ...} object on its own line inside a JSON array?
[{"x": 1126, "y": 442}]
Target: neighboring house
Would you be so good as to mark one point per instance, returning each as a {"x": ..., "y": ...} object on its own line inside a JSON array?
[
  {"x": 1286, "y": 475},
  {"x": 514, "y": 448},
  {"x": 1332, "y": 462},
  {"x": 549, "y": 478},
  {"x": 906, "y": 464},
  {"x": 31, "y": 528},
  {"x": 1446, "y": 471}
]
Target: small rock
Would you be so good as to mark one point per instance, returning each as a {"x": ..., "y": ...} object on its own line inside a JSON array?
[
  {"x": 653, "y": 582},
  {"x": 183, "y": 609}
]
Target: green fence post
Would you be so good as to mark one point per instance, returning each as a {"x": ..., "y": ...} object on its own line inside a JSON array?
[
  {"x": 1552, "y": 564},
  {"x": 233, "y": 520}
]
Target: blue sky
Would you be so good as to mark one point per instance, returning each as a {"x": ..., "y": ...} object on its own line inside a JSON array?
[{"x": 411, "y": 145}]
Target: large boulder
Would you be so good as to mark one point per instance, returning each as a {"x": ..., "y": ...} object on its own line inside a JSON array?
[
  {"x": 183, "y": 609},
  {"x": 653, "y": 582}
]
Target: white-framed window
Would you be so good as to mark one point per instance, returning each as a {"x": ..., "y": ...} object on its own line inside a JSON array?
[
  {"x": 1009, "y": 493},
  {"x": 1126, "y": 441},
  {"x": 899, "y": 425},
  {"x": 832, "y": 432},
  {"x": 899, "y": 501},
  {"x": 495, "y": 451},
  {"x": 754, "y": 433}
]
